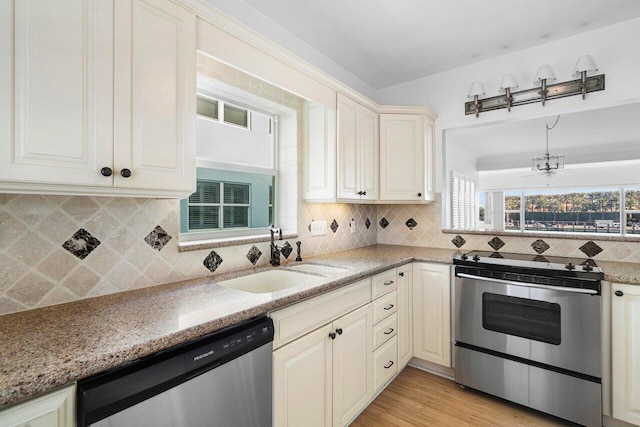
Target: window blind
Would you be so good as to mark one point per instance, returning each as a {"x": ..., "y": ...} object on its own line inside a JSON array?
[{"x": 463, "y": 200}]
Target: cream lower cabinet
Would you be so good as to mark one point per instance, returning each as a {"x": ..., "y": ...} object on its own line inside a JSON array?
[
  {"x": 432, "y": 313},
  {"x": 405, "y": 311},
  {"x": 322, "y": 369},
  {"x": 55, "y": 409},
  {"x": 97, "y": 97},
  {"x": 625, "y": 352}
]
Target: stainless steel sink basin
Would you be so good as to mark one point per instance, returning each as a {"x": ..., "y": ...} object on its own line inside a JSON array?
[
  {"x": 271, "y": 281},
  {"x": 320, "y": 268}
]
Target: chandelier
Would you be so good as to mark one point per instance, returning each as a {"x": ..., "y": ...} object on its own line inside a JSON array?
[{"x": 548, "y": 164}]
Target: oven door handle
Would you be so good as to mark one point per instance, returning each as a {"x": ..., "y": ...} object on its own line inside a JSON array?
[{"x": 528, "y": 285}]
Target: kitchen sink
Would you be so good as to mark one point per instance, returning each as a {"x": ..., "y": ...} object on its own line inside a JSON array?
[
  {"x": 320, "y": 268},
  {"x": 271, "y": 281}
]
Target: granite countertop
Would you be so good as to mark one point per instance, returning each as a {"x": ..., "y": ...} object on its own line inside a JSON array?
[{"x": 47, "y": 348}]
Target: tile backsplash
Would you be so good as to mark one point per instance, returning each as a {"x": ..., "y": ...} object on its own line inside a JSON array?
[{"x": 55, "y": 249}]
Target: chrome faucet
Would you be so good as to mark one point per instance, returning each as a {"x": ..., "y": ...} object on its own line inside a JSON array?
[{"x": 274, "y": 258}]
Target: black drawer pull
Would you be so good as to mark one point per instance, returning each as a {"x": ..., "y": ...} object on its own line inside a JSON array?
[
  {"x": 401, "y": 274},
  {"x": 619, "y": 293},
  {"x": 390, "y": 282},
  {"x": 389, "y": 307},
  {"x": 389, "y": 365},
  {"x": 390, "y": 331}
]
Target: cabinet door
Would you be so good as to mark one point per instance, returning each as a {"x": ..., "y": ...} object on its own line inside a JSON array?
[
  {"x": 402, "y": 157},
  {"x": 302, "y": 381},
  {"x": 56, "y": 91},
  {"x": 432, "y": 313},
  {"x": 352, "y": 367},
  {"x": 368, "y": 139},
  {"x": 55, "y": 409},
  {"x": 319, "y": 153},
  {"x": 348, "y": 155},
  {"x": 405, "y": 310},
  {"x": 625, "y": 352},
  {"x": 155, "y": 95}
]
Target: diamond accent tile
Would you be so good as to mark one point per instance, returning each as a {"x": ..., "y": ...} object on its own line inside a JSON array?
[
  {"x": 384, "y": 223},
  {"x": 458, "y": 241},
  {"x": 590, "y": 249},
  {"x": 540, "y": 246},
  {"x": 496, "y": 243},
  {"x": 157, "y": 238},
  {"x": 411, "y": 223},
  {"x": 367, "y": 223},
  {"x": 212, "y": 261},
  {"x": 334, "y": 226},
  {"x": 81, "y": 244},
  {"x": 540, "y": 258},
  {"x": 286, "y": 248},
  {"x": 254, "y": 254}
]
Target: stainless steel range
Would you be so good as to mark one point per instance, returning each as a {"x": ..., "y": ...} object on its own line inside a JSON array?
[{"x": 528, "y": 330}]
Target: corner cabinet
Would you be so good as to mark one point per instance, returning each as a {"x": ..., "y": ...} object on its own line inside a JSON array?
[
  {"x": 357, "y": 151},
  {"x": 406, "y": 156},
  {"x": 432, "y": 313},
  {"x": 97, "y": 97},
  {"x": 55, "y": 409},
  {"x": 625, "y": 352}
]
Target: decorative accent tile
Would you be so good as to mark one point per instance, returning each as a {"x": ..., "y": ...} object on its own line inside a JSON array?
[
  {"x": 540, "y": 246},
  {"x": 157, "y": 238},
  {"x": 81, "y": 244},
  {"x": 496, "y": 243},
  {"x": 458, "y": 241},
  {"x": 540, "y": 258},
  {"x": 367, "y": 223},
  {"x": 212, "y": 261},
  {"x": 590, "y": 249},
  {"x": 411, "y": 223},
  {"x": 254, "y": 254},
  {"x": 384, "y": 223},
  {"x": 496, "y": 255},
  {"x": 286, "y": 249},
  {"x": 334, "y": 226}
]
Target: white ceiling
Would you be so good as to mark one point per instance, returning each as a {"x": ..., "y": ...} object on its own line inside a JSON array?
[
  {"x": 384, "y": 43},
  {"x": 591, "y": 136}
]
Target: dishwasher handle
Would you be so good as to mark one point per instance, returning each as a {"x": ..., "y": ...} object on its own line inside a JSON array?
[{"x": 528, "y": 285}]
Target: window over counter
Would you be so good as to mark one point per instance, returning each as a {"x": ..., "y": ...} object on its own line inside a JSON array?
[{"x": 612, "y": 211}]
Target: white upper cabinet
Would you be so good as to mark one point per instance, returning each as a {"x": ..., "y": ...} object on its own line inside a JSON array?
[
  {"x": 406, "y": 158},
  {"x": 357, "y": 151},
  {"x": 319, "y": 153},
  {"x": 91, "y": 89},
  {"x": 56, "y": 90}
]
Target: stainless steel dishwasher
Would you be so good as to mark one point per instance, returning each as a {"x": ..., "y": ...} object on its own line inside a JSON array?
[{"x": 222, "y": 379}]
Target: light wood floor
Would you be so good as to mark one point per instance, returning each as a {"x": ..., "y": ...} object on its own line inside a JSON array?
[{"x": 417, "y": 398}]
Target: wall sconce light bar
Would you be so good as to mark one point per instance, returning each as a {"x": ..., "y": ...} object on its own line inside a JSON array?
[{"x": 530, "y": 96}]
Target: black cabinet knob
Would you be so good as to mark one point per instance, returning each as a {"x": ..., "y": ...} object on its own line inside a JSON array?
[
  {"x": 126, "y": 173},
  {"x": 332, "y": 335},
  {"x": 419, "y": 194},
  {"x": 364, "y": 193},
  {"x": 339, "y": 331},
  {"x": 359, "y": 193},
  {"x": 619, "y": 293},
  {"x": 401, "y": 274},
  {"x": 106, "y": 171}
]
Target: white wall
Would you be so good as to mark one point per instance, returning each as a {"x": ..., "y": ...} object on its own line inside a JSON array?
[
  {"x": 252, "y": 18},
  {"x": 614, "y": 48}
]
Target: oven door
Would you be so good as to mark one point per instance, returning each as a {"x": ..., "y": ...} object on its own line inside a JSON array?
[{"x": 544, "y": 324}]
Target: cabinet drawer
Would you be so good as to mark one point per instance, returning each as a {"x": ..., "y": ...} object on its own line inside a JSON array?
[
  {"x": 385, "y": 363},
  {"x": 298, "y": 319},
  {"x": 383, "y": 283},
  {"x": 384, "y": 307},
  {"x": 385, "y": 330}
]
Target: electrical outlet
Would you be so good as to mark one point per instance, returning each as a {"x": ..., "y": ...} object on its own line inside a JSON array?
[
  {"x": 353, "y": 226},
  {"x": 318, "y": 228}
]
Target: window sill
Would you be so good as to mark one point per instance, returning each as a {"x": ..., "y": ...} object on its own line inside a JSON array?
[
  {"x": 229, "y": 241},
  {"x": 549, "y": 235}
]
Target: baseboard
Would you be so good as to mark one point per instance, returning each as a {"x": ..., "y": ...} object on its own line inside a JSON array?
[{"x": 432, "y": 368}]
